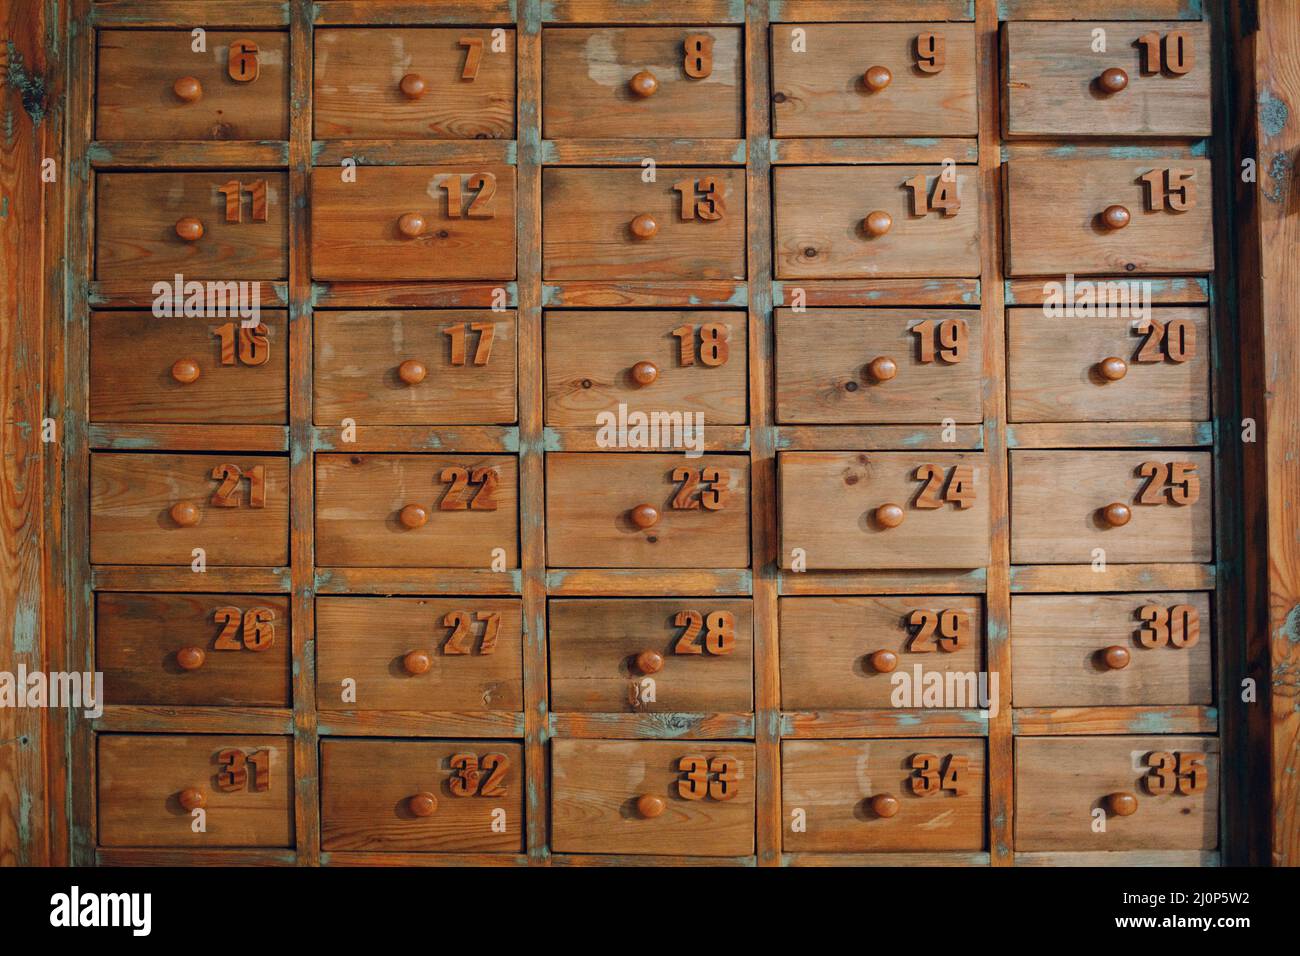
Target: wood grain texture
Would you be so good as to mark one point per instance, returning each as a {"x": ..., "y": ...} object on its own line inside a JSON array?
[{"x": 1111, "y": 719}]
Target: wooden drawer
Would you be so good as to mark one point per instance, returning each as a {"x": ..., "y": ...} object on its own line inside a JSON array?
[
  {"x": 670, "y": 655},
  {"x": 1064, "y": 786},
  {"x": 850, "y": 510},
  {"x": 188, "y": 371},
  {"x": 875, "y": 366},
  {"x": 415, "y": 368},
  {"x": 821, "y": 87},
  {"x": 883, "y": 795},
  {"x": 671, "y": 798},
  {"x": 245, "y": 786},
  {"x": 1100, "y": 650},
  {"x": 695, "y": 232},
  {"x": 156, "y": 509},
  {"x": 694, "y": 512},
  {"x": 1057, "y": 85},
  {"x": 851, "y": 653},
  {"x": 821, "y": 216},
  {"x": 1063, "y": 369},
  {"x": 421, "y": 83},
  {"x": 417, "y": 511},
  {"x": 242, "y": 234},
  {"x": 1056, "y": 220},
  {"x": 637, "y": 82},
  {"x": 198, "y": 650},
  {"x": 151, "y": 85},
  {"x": 1061, "y": 507},
  {"x": 375, "y": 796},
  {"x": 414, "y": 222},
  {"x": 697, "y": 363},
  {"x": 439, "y": 654}
]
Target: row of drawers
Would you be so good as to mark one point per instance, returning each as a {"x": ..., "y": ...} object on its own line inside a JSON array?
[
  {"x": 879, "y": 79},
  {"x": 660, "y": 797},
  {"x": 653, "y": 655},
  {"x": 1081, "y": 216}
]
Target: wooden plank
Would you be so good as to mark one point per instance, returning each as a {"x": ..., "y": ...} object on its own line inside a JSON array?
[
  {"x": 1110, "y": 434},
  {"x": 646, "y": 582},
  {"x": 870, "y": 150},
  {"x": 666, "y": 726},
  {"x": 1170, "y": 858},
  {"x": 702, "y": 294},
  {"x": 151, "y": 437},
  {"x": 891, "y": 860},
  {"x": 387, "y": 858},
  {"x": 863, "y": 724},
  {"x": 414, "y": 295},
  {"x": 641, "y": 11},
  {"x": 395, "y": 152},
  {"x": 589, "y": 438},
  {"x": 415, "y": 581},
  {"x": 173, "y": 13},
  {"x": 876, "y": 292},
  {"x": 462, "y": 439},
  {"x": 679, "y": 151},
  {"x": 877, "y": 437},
  {"x": 919, "y": 581},
  {"x": 142, "y": 719},
  {"x": 1048, "y": 721},
  {"x": 1100, "y": 9},
  {"x": 163, "y": 578},
  {"x": 349, "y": 12},
  {"x": 852, "y": 10},
  {"x": 187, "y": 154},
  {"x": 1027, "y": 579},
  {"x": 417, "y": 723},
  {"x": 132, "y": 857},
  {"x": 1170, "y": 290}
]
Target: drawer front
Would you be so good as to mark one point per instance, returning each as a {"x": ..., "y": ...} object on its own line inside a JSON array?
[
  {"x": 214, "y": 650},
  {"x": 1108, "y": 368},
  {"x": 848, "y": 222},
  {"x": 672, "y": 655},
  {"x": 883, "y": 795},
  {"x": 861, "y": 510},
  {"x": 1057, "y": 220},
  {"x": 638, "y": 510},
  {"x": 635, "y": 82},
  {"x": 1057, "y": 85},
  {"x": 417, "y": 511},
  {"x": 186, "y": 371},
  {"x": 151, "y": 226},
  {"x": 821, "y": 85},
  {"x": 422, "y": 83},
  {"x": 1100, "y": 650},
  {"x": 422, "y": 796},
  {"x": 877, "y": 366},
  {"x": 857, "y": 653},
  {"x": 668, "y": 798},
  {"x": 651, "y": 362},
  {"x": 608, "y": 224},
  {"x": 155, "y": 509},
  {"x": 1065, "y": 786},
  {"x": 436, "y": 654},
  {"x": 152, "y": 85},
  {"x": 244, "y": 785},
  {"x": 414, "y": 222},
  {"x": 415, "y": 368},
  {"x": 1151, "y": 505}
]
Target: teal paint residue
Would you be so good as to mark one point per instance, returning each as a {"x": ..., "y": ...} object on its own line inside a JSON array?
[
  {"x": 510, "y": 440},
  {"x": 547, "y": 152},
  {"x": 914, "y": 439},
  {"x": 781, "y": 440},
  {"x": 739, "y": 296},
  {"x": 1280, "y": 169},
  {"x": 778, "y": 293},
  {"x": 551, "y": 295},
  {"x": 551, "y": 440},
  {"x": 907, "y": 720},
  {"x": 739, "y": 155},
  {"x": 922, "y": 141},
  {"x": 1009, "y": 297},
  {"x": 1152, "y": 722},
  {"x": 693, "y": 300},
  {"x": 512, "y": 153},
  {"x": 1290, "y": 628},
  {"x": 31, "y": 89},
  {"x": 1273, "y": 114},
  {"x": 24, "y": 821},
  {"x": 25, "y": 629},
  {"x": 4, "y": 207}
]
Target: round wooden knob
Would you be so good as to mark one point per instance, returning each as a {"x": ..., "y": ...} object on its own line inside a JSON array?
[
  {"x": 192, "y": 798},
  {"x": 884, "y": 805},
  {"x": 882, "y": 662},
  {"x": 1112, "y": 80},
  {"x": 1116, "y": 657},
  {"x": 644, "y": 516},
  {"x": 188, "y": 89},
  {"x": 412, "y": 86},
  {"x": 410, "y": 225},
  {"x": 417, "y": 662},
  {"x": 882, "y": 368},
  {"x": 649, "y": 662},
  {"x": 413, "y": 516},
  {"x": 422, "y": 804},
  {"x": 649, "y": 806},
  {"x": 644, "y": 226},
  {"x": 644, "y": 373},
  {"x": 1122, "y": 804},
  {"x": 189, "y": 229},
  {"x": 1115, "y": 217},
  {"x": 644, "y": 84},
  {"x": 889, "y": 515},
  {"x": 191, "y": 658},
  {"x": 185, "y": 514},
  {"x": 412, "y": 372},
  {"x": 877, "y": 223},
  {"x": 1112, "y": 368},
  {"x": 185, "y": 370},
  {"x": 877, "y": 78},
  {"x": 1117, "y": 514}
]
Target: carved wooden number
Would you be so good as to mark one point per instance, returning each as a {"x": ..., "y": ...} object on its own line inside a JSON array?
[
  {"x": 942, "y": 195},
  {"x": 933, "y": 774},
  {"x": 1175, "y": 482},
  {"x": 719, "y": 629},
  {"x": 959, "y": 488},
  {"x": 715, "y": 778},
  {"x": 482, "y": 185},
  {"x": 472, "y": 776},
  {"x": 712, "y": 347},
  {"x": 256, "y": 624},
  {"x": 461, "y": 640},
  {"x": 458, "y": 497},
  {"x": 1174, "y": 340},
  {"x": 952, "y": 628},
  {"x": 251, "y": 345},
  {"x": 1174, "y": 55},
  {"x": 931, "y": 53},
  {"x": 946, "y": 340},
  {"x": 235, "y": 772},
  {"x": 473, "y": 57},
  {"x": 241, "y": 61},
  {"x": 234, "y": 192},
  {"x": 710, "y": 483},
  {"x": 1170, "y": 189},
  {"x": 1182, "y": 772},
  {"x": 699, "y": 55},
  {"x": 459, "y": 333},
  {"x": 1179, "y": 626},
  {"x": 701, "y": 198},
  {"x": 227, "y": 494}
]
